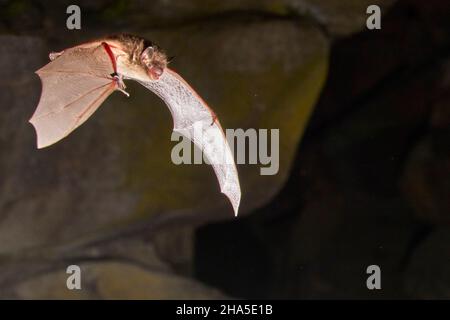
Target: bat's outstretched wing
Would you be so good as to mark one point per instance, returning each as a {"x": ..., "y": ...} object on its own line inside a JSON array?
[
  {"x": 194, "y": 119},
  {"x": 74, "y": 85}
]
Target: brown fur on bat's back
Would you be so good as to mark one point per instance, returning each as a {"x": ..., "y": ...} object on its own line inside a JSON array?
[{"x": 134, "y": 45}]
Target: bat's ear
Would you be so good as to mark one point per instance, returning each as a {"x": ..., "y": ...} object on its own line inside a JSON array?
[
  {"x": 147, "y": 55},
  {"x": 170, "y": 59}
]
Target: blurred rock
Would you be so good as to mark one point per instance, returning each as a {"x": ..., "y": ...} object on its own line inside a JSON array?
[
  {"x": 20, "y": 15},
  {"x": 175, "y": 245},
  {"x": 426, "y": 180},
  {"x": 340, "y": 18},
  {"x": 337, "y": 17},
  {"x": 113, "y": 280}
]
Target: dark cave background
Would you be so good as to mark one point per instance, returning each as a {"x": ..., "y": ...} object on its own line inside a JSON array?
[{"x": 370, "y": 183}]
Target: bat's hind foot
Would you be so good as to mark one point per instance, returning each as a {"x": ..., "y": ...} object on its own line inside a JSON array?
[
  {"x": 120, "y": 84},
  {"x": 123, "y": 91}
]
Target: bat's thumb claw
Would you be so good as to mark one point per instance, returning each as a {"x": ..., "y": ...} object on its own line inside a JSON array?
[
  {"x": 54, "y": 55},
  {"x": 120, "y": 84}
]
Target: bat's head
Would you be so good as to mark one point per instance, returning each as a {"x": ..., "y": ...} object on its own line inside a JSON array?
[
  {"x": 154, "y": 60},
  {"x": 143, "y": 60}
]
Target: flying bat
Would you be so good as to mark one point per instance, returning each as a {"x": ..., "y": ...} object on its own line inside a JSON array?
[{"x": 77, "y": 80}]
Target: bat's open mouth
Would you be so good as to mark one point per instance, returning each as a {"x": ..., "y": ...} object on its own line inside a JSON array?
[{"x": 155, "y": 72}]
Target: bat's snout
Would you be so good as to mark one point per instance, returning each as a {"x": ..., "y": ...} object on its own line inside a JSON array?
[{"x": 155, "y": 72}]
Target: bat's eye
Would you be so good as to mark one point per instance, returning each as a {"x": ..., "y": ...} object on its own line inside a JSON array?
[{"x": 147, "y": 55}]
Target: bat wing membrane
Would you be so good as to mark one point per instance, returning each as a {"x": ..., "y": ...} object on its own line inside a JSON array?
[
  {"x": 194, "y": 119},
  {"x": 74, "y": 85}
]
